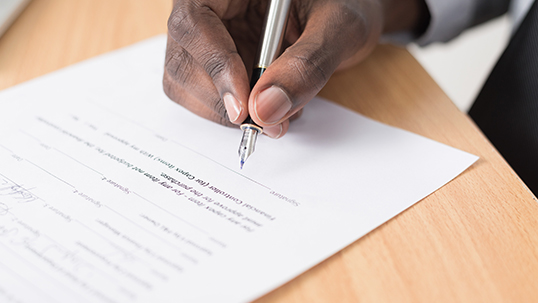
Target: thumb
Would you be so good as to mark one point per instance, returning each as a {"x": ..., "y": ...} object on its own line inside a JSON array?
[
  {"x": 331, "y": 35},
  {"x": 288, "y": 84}
]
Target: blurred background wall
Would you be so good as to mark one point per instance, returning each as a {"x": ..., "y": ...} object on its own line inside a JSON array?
[{"x": 462, "y": 65}]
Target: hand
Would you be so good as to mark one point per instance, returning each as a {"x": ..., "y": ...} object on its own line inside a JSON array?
[{"x": 212, "y": 44}]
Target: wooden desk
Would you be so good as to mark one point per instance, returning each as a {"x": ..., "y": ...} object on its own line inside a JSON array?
[{"x": 474, "y": 240}]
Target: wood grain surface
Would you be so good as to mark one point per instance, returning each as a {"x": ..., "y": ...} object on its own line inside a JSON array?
[{"x": 474, "y": 240}]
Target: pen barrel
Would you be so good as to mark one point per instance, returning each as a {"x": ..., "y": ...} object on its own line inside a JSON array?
[
  {"x": 275, "y": 23},
  {"x": 256, "y": 74},
  {"x": 273, "y": 32}
]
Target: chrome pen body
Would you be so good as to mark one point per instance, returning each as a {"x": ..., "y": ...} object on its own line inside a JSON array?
[{"x": 270, "y": 44}]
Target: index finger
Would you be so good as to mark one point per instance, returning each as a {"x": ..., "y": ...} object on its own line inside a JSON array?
[{"x": 198, "y": 28}]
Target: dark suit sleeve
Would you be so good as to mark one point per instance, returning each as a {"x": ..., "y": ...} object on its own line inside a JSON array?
[
  {"x": 489, "y": 9},
  {"x": 449, "y": 18}
]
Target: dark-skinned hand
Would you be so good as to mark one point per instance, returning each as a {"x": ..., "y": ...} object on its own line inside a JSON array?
[{"x": 212, "y": 44}]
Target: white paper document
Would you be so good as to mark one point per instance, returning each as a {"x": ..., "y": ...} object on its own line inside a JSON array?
[{"x": 110, "y": 192}]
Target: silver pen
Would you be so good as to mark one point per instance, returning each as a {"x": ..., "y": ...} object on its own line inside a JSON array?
[{"x": 269, "y": 47}]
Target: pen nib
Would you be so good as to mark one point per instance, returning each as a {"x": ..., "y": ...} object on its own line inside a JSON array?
[{"x": 248, "y": 142}]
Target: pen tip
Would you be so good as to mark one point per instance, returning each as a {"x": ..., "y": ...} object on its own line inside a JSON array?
[{"x": 241, "y": 164}]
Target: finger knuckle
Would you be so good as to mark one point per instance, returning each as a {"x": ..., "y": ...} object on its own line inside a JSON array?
[
  {"x": 220, "y": 114},
  {"x": 215, "y": 64},
  {"x": 224, "y": 121},
  {"x": 350, "y": 20},
  {"x": 345, "y": 13},
  {"x": 217, "y": 105},
  {"x": 182, "y": 23},
  {"x": 180, "y": 65},
  {"x": 309, "y": 70}
]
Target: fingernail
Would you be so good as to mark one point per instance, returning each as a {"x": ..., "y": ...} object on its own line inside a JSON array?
[
  {"x": 271, "y": 105},
  {"x": 233, "y": 107},
  {"x": 273, "y": 131}
]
